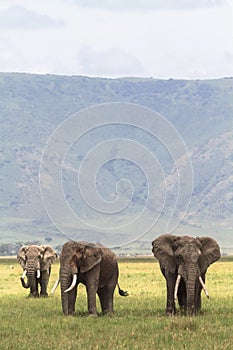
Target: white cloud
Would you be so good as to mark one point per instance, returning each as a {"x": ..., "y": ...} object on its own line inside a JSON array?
[
  {"x": 18, "y": 17},
  {"x": 147, "y": 5},
  {"x": 70, "y": 39},
  {"x": 111, "y": 62}
]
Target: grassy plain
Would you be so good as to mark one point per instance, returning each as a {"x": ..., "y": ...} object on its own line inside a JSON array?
[{"x": 138, "y": 322}]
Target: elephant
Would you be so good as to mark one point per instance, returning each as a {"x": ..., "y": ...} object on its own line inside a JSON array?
[
  {"x": 93, "y": 265},
  {"x": 183, "y": 262},
  {"x": 36, "y": 262}
]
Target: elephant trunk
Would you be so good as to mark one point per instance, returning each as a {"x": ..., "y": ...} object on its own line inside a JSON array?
[
  {"x": 190, "y": 287},
  {"x": 33, "y": 273},
  {"x": 25, "y": 285},
  {"x": 65, "y": 280},
  {"x": 191, "y": 290},
  {"x": 32, "y": 284}
]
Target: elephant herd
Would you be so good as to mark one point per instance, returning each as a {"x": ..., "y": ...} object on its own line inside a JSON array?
[{"x": 183, "y": 260}]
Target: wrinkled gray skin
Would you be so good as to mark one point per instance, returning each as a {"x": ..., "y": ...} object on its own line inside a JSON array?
[
  {"x": 190, "y": 258},
  {"x": 96, "y": 267},
  {"x": 33, "y": 258}
]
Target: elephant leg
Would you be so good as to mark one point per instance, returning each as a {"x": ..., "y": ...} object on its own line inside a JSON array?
[
  {"x": 106, "y": 299},
  {"x": 198, "y": 296},
  {"x": 182, "y": 297},
  {"x": 92, "y": 284},
  {"x": 170, "y": 282},
  {"x": 37, "y": 287},
  {"x": 34, "y": 293},
  {"x": 44, "y": 280},
  {"x": 33, "y": 284},
  {"x": 34, "y": 290},
  {"x": 198, "y": 300},
  {"x": 72, "y": 300},
  {"x": 91, "y": 299},
  {"x": 102, "y": 293}
]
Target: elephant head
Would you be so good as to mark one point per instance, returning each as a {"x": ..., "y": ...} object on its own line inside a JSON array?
[
  {"x": 184, "y": 261},
  {"x": 85, "y": 257},
  {"x": 36, "y": 263}
]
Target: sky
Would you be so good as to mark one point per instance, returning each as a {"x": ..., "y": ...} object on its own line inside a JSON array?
[{"x": 181, "y": 39}]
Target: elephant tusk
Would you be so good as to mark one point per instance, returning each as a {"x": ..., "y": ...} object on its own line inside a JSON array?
[
  {"x": 55, "y": 286},
  {"x": 204, "y": 287},
  {"x": 73, "y": 284},
  {"x": 38, "y": 274},
  {"x": 24, "y": 274},
  {"x": 177, "y": 286}
]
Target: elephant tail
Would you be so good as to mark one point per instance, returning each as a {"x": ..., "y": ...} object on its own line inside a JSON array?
[{"x": 121, "y": 291}]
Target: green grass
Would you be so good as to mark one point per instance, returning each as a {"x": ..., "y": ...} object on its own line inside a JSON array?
[{"x": 138, "y": 321}]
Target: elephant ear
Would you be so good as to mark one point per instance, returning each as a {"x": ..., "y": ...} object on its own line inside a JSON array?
[
  {"x": 163, "y": 249},
  {"x": 210, "y": 252},
  {"x": 48, "y": 256},
  {"x": 21, "y": 256},
  {"x": 91, "y": 257}
]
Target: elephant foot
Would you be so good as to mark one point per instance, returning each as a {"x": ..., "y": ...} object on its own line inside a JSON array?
[
  {"x": 107, "y": 313},
  {"x": 71, "y": 312},
  {"x": 183, "y": 311},
  {"x": 191, "y": 311},
  {"x": 33, "y": 295},
  {"x": 44, "y": 295},
  {"x": 170, "y": 312},
  {"x": 199, "y": 313}
]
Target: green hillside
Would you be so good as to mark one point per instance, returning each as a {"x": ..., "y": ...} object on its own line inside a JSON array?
[{"x": 33, "y": 106}]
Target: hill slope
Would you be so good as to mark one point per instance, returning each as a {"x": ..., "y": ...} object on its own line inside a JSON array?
[{"x": 32, "y": 106}]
